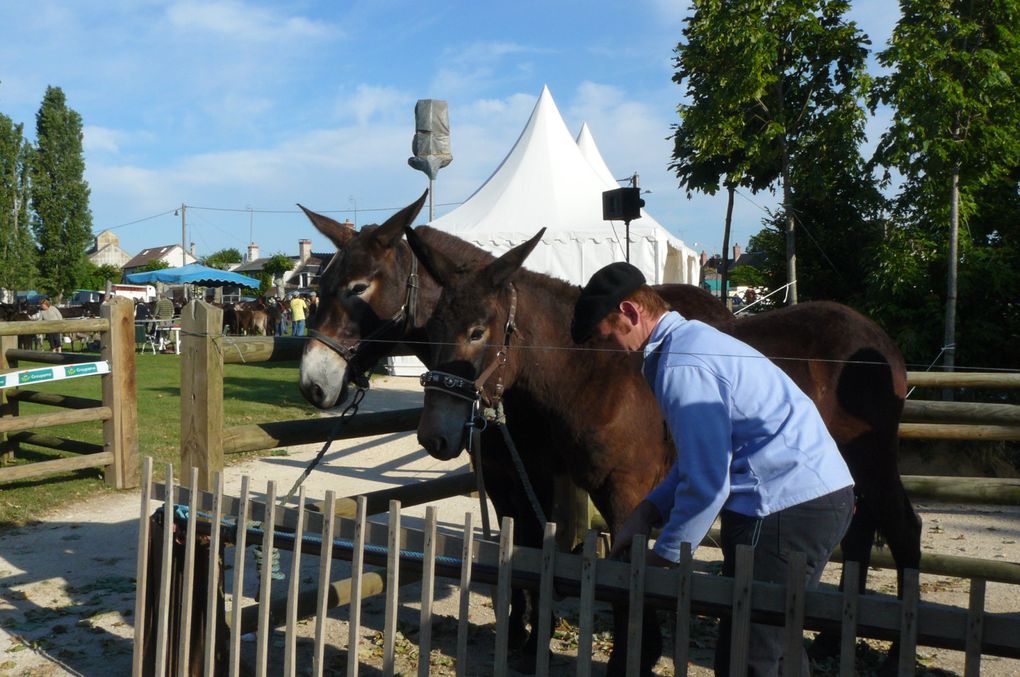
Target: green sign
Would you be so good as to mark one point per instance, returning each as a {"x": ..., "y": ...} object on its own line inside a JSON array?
[{"x": 35, "y": 375}]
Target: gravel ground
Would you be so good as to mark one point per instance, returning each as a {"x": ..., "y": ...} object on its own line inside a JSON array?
[{"x": 67, "y": 581}]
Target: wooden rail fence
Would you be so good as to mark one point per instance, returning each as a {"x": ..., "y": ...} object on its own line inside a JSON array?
[
  {"x": 172, "y": 597},
  {"x": 117, "y": 410}
]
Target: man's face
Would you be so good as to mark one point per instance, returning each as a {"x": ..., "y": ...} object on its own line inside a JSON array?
[{"x": 615, "y": 332}]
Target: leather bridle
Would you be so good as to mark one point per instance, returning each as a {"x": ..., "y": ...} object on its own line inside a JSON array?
[
  {"x": 474, "y": 391},
  {"x": 402, "y": 319}
]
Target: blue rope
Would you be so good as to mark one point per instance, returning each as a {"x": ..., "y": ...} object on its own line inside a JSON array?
[{"x": 181, "y": 512}]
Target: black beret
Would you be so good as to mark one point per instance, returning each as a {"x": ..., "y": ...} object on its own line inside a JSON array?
[{"x": 602, "y": 295}]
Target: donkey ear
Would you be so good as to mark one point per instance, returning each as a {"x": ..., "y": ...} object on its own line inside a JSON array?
[
  {"x": 390, "y": 232},
  {"x": 338, "y": 233},
  {"x": 500, "y": 270},
  {"x": 441, "y": 267}
]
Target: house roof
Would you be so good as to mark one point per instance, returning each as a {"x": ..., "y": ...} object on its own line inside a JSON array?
[{"x": 151, "y": 254}]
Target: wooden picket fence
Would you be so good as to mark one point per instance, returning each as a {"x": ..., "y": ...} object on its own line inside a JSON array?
[{"x": 183, "y": 626}]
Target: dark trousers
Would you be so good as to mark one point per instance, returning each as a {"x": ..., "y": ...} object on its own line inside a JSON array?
[{"x": 814, "y": 527}]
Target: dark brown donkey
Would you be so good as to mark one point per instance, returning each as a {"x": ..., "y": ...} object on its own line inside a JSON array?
[
  {"x": 373, "y": 304},
  {"x": 607, "y": 431}
]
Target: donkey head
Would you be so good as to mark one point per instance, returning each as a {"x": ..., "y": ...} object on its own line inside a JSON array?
[{"x": 361, "y": 290}]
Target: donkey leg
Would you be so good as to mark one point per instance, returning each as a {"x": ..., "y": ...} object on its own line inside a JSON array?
[{"x": 651, "y": 642}]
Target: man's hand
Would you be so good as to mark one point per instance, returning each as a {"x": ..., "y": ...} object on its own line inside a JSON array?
[{"x": 640, "y": 521}]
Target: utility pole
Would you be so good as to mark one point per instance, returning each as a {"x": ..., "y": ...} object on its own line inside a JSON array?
[{"x": 184, "y": 236}]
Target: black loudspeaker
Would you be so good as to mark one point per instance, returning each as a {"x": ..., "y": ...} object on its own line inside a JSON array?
[{"x": 622, "y": 204}]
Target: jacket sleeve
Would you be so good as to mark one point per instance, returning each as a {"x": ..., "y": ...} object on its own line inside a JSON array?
[{"x": 696, "y": 404}]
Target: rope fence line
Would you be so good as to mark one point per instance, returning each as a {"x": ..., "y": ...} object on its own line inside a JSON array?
[{"x": 581, "y": 349}]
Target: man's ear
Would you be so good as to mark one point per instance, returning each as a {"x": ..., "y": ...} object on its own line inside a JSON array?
[{"x": 631, "y": 311}]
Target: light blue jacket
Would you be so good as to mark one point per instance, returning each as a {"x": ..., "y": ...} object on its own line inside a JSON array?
[{"x": 747, "y": 438}]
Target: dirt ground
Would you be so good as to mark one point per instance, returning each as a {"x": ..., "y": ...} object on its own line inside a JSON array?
[{"x": 67, "y": 580}]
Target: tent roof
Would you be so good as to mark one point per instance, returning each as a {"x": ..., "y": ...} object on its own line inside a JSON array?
[
  {"x": 549, "y": 180},
  {"x": 193, "y": 273}
]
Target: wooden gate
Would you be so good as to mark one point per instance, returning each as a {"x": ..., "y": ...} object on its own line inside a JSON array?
[
  {"x": 383, "y": 557},
  {"x": 117, "y": 409}
]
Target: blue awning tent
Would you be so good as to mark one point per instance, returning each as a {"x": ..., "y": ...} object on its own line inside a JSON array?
[{"x": 193, "y": 273}]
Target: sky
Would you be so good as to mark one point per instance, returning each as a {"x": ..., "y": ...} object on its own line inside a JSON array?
[{"x": 241, "y": 109}]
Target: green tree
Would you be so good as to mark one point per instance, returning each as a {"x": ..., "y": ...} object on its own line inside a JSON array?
[
  {"x": 764, "y": 79},
  {"x": 154, "y": 264},
  {"x": 223, "y": 258},
  {"x": 95, "y": 277},
  {"x": 274, "y": 268},
  {"x": 61, "y": 219},
  {"x": 17, "y": 250},
  {"x": 954, "y": 92}
]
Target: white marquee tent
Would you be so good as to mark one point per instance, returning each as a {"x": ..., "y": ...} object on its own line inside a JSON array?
[{"x": 549, "y": 180}]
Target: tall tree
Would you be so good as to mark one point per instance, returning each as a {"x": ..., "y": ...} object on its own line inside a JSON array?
[
  {"x": 954, "y": 91},
  {"x": 17, "y": 250},
  {"x": 763, "y": 77},
  {"x": 61, "y": 218},
  {"x": 223, "y": 258}
]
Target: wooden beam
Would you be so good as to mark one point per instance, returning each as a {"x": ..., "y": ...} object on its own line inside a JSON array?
[
  {"x": 251, "y": 349},
  {"x": 307, "y": 431},
  {"x": 931, "y": 379},
  {"x": 120, "y": 431},
  {"x": 994, "y": 490},
  {"x": 45, "y": 357},
  {"x": 201, "y": 391},
  {"x": 53, "y": 399},
  {"x": 58, "y": 443},
  {"x": 8, "y": 404},
  {"x": 52, "y": 326},
  {"x": 922, "y": 411},
  {"x": 39, "y": 468},
  {"x": 958, "y": 431},
  {"x": 15, "y": 423}
]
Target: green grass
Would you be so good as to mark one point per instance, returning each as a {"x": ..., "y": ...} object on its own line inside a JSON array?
[{"x": 251, "y": 394}]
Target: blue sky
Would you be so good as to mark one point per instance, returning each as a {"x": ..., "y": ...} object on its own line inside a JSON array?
[{"x": 241, "y": 109}]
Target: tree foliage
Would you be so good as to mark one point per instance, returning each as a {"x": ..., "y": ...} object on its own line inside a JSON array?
[
  {"x": 767, "y": 82},
  {"x": 61, "y": 218},
  {"x": 95, "y": 277},
  {"x": 17, "y": 249},
  {"x": 153, "y": 264},
  {"x": 953, "y": 87},
  {"x": 223, "y": 258}
]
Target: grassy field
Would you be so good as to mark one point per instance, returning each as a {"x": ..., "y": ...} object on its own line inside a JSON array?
[{"x": 251, "y": 394}]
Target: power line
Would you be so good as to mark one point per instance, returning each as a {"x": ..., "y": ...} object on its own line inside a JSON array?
[{"x": 147, "y": 218}]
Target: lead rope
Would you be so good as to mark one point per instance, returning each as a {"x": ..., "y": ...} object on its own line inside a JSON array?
[
  {"x": 474, "y": 450},
  {"x": 351, "y": 410},
  {"x": 498, "y": 416}
]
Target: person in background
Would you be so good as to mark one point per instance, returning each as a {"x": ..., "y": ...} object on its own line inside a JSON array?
[
  {"x": 47, "y": 311},
  {"x": 313, "y": 305},
  {"x": 298, "y": 312},
  {"x": 751, "y": 448},
  {"x": 164, "y": 317}
]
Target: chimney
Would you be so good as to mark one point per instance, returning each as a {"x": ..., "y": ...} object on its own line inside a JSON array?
[
  {"x": 253, "y": 252},
  {"x": 704, "y": 257},
  {"x": 347, "y": 222},
  {"x": 304, "y": 250},
  {"x": 737, "y": 251}
]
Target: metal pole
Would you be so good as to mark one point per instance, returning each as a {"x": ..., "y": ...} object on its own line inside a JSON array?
[
  {"x": 432, "y": 199},
  {"x": 184, "y": 238}
]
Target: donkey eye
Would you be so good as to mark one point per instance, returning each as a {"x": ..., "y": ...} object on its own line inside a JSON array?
[
  {"x": 357, "y": 290},
  {"x": 477, "y": 334}
]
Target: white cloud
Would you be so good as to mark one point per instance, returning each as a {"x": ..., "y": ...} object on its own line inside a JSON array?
[
  {"x": 101, "y": 140},
  {"x": 242, "y": 22},
  {"x": 372, "y": 101}
]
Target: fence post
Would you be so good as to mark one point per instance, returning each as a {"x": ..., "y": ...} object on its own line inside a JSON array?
[
  {"x": 201, "y": 391},
  {"x": 8, "y": 448},
  {"x": 120, "y": 431}
]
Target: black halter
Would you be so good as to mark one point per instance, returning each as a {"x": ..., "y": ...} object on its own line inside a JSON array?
[
  {"x": 474, "y": 391},
  {"x": 403, "y": 319}
]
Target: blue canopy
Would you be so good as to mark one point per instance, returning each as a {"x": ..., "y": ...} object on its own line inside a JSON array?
[{"x": 193, "y": 273}]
